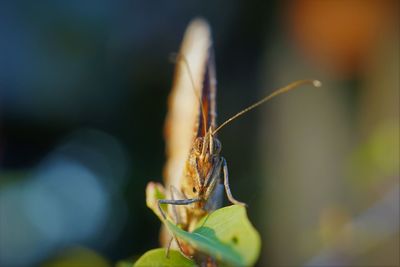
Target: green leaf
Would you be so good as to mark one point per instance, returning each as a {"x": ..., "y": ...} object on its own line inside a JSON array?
[
  {"x": 76, "y": 256},
  {"x": 127, "y": 262},
  {"x": 154, "y": 192},
  {"x": 124, "y": 264},
  {"x": 157, "y": 258},
  {"x": 226, "y": 234}
]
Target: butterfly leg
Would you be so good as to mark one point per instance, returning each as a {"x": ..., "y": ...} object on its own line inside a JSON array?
[
  {"x": 226, "y": 184},
  {"x": 173, "y": 191},
  {"x": 170, "y": 243},
  {"x": 175, "y": 202}
]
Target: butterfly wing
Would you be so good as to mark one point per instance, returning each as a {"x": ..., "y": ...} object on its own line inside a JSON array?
[
  {"x": 208, "y": 96},
  {"x": 184, "y": 120}
]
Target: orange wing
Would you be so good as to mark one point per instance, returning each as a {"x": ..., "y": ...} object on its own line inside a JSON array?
[
  {"x": 184, "y": 120},
  {"x": 208, "y": 96}
]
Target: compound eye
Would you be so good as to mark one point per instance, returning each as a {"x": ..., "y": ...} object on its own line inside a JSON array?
[
  {"x": 198, "y": 145},
  {"x": 217, "y": 146}
]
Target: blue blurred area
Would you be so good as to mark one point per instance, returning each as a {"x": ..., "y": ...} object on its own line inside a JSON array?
[
  {"x": 59, "y": 59},
  {"x": 47, "y": 53},
  {"x": 73, "y": 196}
]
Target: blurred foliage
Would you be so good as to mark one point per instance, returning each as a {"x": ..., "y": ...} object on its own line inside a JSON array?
[
  {"x": 376, "y": 159},
  {"x": 158, "y": 258},
  {"x": 77, "y": 257}
]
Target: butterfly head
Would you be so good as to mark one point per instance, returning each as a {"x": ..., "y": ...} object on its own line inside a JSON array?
[
  {"x": 205, "y": 153},
  {"x": 207, "y": 146}
]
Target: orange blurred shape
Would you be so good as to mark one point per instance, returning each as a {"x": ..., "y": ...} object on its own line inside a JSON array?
[{"x": 339, "y": 34}]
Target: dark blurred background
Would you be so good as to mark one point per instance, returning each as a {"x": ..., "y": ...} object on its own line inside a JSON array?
[{"x": 83, "y": 90}]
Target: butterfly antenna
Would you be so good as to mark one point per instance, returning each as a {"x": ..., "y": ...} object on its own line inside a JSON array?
[
  {"x": 185, "y": 61},
  {"x": 280, "y": 91}
]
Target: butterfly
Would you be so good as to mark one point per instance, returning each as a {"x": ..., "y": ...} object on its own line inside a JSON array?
[
  {"x": 194, "y": 171},
  {"x": 196, "y": 174}
]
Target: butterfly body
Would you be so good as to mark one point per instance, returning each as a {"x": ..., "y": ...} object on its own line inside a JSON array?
[{"x": 202, "y": 178}]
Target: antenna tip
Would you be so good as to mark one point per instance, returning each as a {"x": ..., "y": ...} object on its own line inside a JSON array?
[{"x": 317, "y": 83}]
